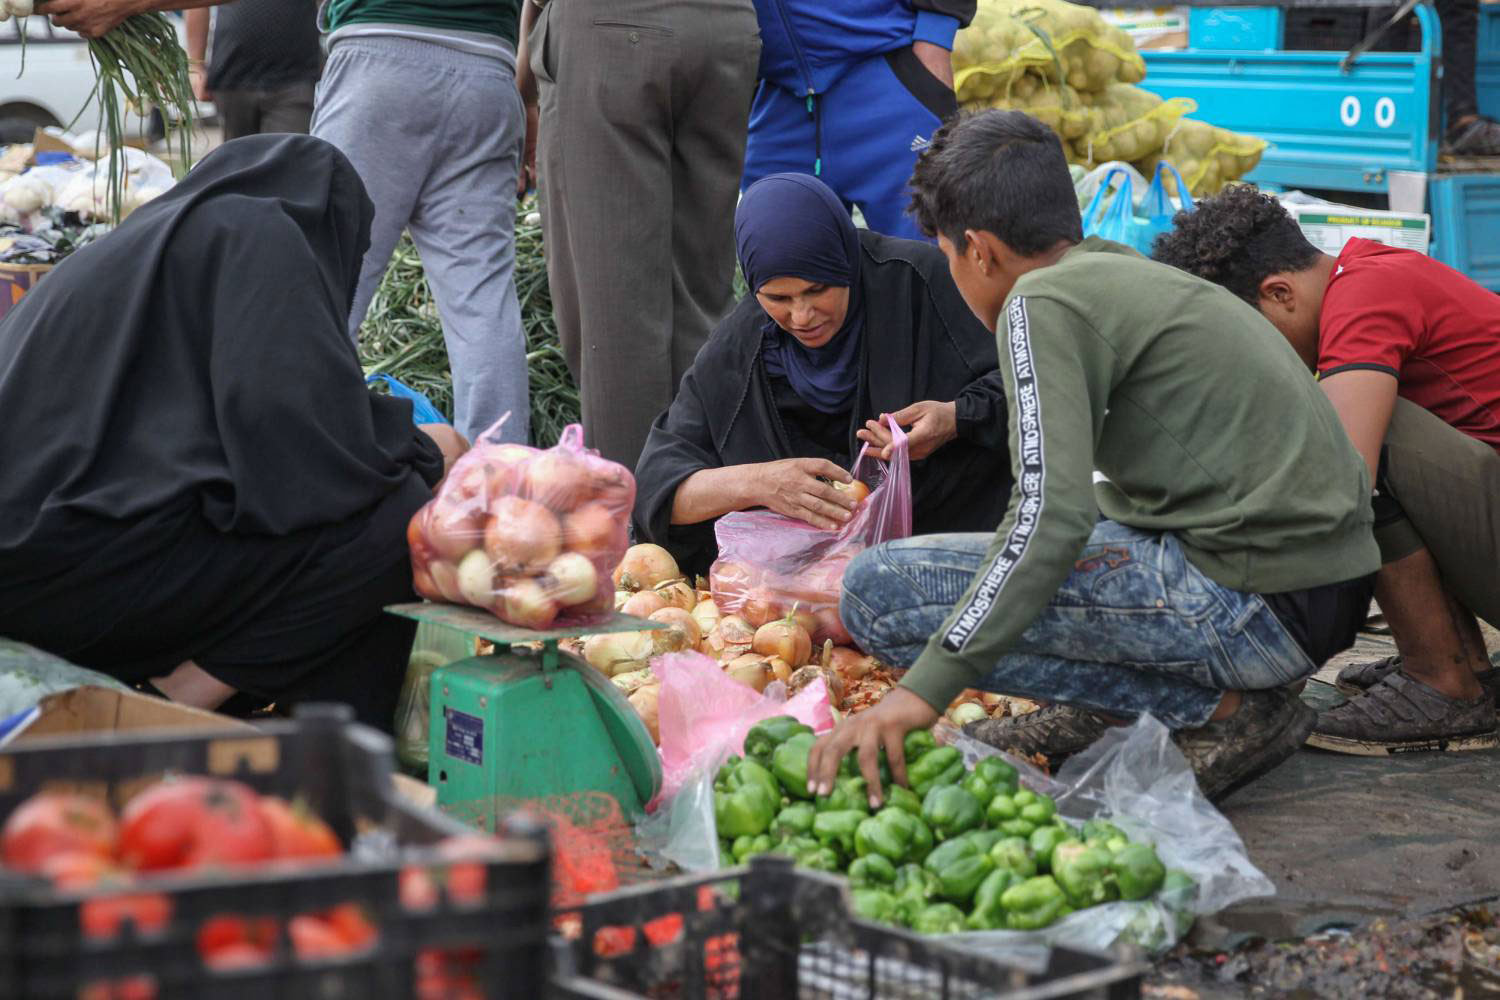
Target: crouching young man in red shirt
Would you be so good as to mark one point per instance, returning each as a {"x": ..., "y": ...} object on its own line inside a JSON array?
[{"x": 1408, "y": 351}]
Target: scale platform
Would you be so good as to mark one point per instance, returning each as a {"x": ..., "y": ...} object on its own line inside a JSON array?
[{"x": 528, "y": 724}]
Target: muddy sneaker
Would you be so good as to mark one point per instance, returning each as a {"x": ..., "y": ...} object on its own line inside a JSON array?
[
  {"x": 1480, "y": 137},
  {"x": 1400, "y": 714},
  {"x": 1267, "y": 729},
  {"x": 1055, "y": 731},
  {"x": 1357, "y": 678}
]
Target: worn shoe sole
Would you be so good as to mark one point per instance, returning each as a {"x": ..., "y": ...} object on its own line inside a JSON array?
[
  {"x": 1388, "y": 748},
  {"x": 1280, "y": 748}
]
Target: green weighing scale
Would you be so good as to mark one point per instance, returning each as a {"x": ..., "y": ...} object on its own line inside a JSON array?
[{"x": 527, "y": 723}]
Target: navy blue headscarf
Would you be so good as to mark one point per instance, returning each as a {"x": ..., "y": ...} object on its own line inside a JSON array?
[{"x": 793, "y": 225}]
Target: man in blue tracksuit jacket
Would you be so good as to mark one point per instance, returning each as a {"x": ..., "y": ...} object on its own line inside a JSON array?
[{"x": 852, "y": 90}]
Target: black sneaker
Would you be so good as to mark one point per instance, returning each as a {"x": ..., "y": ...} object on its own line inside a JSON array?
[
  {"x": 1477, "y": 138},
  {"x": 1055, "y": 731},
  {"x": 1401, "y": 714},
  {"x": 1268, "y": 728}
]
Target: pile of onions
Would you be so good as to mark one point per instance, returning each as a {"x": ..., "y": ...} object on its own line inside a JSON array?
[{"x": 529, "y": 535}]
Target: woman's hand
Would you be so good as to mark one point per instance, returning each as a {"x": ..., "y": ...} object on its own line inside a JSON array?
[
  {"x": 929, "y": 425},
  {"x": 885, "y": 725},
  {"x": 451, "y": 443},
  {"x": 792, "y": 487}
]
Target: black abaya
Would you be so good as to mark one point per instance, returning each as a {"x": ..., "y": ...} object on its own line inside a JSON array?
[
  {"x": 192, "y": 465},
  {"x": 921, "y": 342}
]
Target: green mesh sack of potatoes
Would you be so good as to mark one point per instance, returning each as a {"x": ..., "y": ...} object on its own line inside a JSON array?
[
  {"x": 1063, "y": 42},
  {"x": 1133, "y": 124}
]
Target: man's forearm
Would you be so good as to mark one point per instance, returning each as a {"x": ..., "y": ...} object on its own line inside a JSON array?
[
  {"x": 197, "y": 33},
  {"x": 525, "y": 79}
]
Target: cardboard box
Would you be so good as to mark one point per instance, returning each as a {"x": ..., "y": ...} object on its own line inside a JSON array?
[
  {"x": 1329, "y": 227},
  {"x": 1155, "y": 28},
  {"x": 88, "y": 711}
]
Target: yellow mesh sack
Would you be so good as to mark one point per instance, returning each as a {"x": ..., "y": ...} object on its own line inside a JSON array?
[
  {"x": 1056, "y": 105},
  {"x": 1062, "y": 42},
  {"x": 1209, "y": 157},
  {"x": 1133, "y": 124}
]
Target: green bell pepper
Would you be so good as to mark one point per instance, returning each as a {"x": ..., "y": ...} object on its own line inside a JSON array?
[
  {"x": 988, "y": 914},
  {"x": 1040, "y": 811},
  {"x": 939, "y": 918},
  {"x": 726, "y": 858},
  {"x": 1178, "y": 893},
  {"x": 875, "y": 905},
  {"x": 943, "y": 766},
  {"x": 747, "y": 810},
  {"x": 794, "y": 821},
  {"x": 889, "y": 832},
  {"x": 1044, "y": 841},
  {"x": 917, "y": 743},
  {"x": 721, "y": 779},
  {"x": 836, "y": 829},
  {"x": 874, "y": 871},
  {"x": 951, "y": 811},
  {"x": 848, "y": 793},
  {"x": 1017, "y": 827},
  {"x": 960, "y": 867},
  {"x": 796, "y": 845},
  {"x": 789, "y": 764},
  {"x": 1033, "y": 904},
  {"x": 916, "y": 881},
  {"x": 1083, "y": 872},
  {"x": 903, "y": 798},
  {"x": 976, "y": 786},
  {"x": 822, "y": 859},
  {"x": 746, "y": 847},
  {"x": 998, "y": 775},
  {"x": 1098, "y": 832},
  {"x": 1138, "y": 871},
  {"x": 1014, "y": 853},
  {"x": 984, "y": 839},
  {"x": 849, "y": 767},
  {"x": 768, "y": 734},
  {"x": 1001, "y": 809}
]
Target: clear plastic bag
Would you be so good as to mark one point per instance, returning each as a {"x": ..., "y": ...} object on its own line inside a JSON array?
[
  {"x": 433, "y": 646},
  {"x": 530, "y": 535},
  {"x": 769, "y": 563}
]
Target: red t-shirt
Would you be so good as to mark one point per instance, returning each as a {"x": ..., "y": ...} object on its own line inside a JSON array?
[{"x": 1436, "y": 331}]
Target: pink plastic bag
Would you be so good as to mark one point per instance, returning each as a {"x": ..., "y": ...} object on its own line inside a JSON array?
[
  {"x": 704, "y": 716},
  {"x": 769, "y": 563},
  {"x": 531, "y": 535}
]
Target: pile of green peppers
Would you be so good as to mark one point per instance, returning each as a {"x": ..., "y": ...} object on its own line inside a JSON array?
[{"x": 958, "y": 850}]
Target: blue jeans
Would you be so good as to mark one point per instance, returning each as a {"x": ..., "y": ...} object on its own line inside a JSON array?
[{"x": 1134, "y": 628}]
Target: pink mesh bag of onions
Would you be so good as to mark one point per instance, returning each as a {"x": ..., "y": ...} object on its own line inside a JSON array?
[
  {"x": 770, "y": 564},
  {"x": 530, "y": 535}
]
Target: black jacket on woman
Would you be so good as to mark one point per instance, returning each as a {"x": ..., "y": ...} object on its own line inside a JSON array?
[{"x": 921, "y": 342}]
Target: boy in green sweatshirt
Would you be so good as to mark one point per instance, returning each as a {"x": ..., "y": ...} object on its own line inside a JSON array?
[{"x": 1225, "y": 555}]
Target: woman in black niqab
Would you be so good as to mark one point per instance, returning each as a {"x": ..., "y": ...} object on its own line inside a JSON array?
[{"x": 191, "y": 467}]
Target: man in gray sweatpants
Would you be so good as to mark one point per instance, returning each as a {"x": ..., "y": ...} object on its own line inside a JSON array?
[
  {"x": 644, "y": 107},
  {"x": 421, "y": 96}
]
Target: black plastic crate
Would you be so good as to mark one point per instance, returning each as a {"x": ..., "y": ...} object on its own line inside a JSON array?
[
  {"x": 1339, "y": 29},
  {"x": 343, "y": 771},
  {"x": 787, "y": 933}
]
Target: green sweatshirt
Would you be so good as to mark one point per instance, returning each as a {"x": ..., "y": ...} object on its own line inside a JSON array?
[{"x": 1203, "y": 418}]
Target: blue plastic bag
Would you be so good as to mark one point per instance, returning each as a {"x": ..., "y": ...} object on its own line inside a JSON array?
[
  {"x": 1118, "y": 221},
  {"x": 422, "y": 410}
]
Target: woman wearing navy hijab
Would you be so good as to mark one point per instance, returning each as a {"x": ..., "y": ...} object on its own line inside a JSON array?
[{"x": 841, "y": 327}]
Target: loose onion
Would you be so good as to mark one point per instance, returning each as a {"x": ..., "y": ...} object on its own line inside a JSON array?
[
  {"x": 523, "y": 602},
  {"x": 558, "y": 480},
  {"x": 645, "y": 566},
  {"x": 454, "y": 528},
  {"x": 706, "y": 614},
  {"x": 644, "y": 604},
  {"x": 750, "y": 670},
  {"x": 780, "y": 669},
  {"x": 621, "y": 596},
  {"x": 851, "y": 663},
  {"x": 783, "y": 638},
  {"x": 445, "y": 579},
  {"x": 681, "y": 632},
  {"x": 807, "y": 620},
  {"x": 476, "y": 579},
  {"x": 969, "y": 711},
  {"x": 594, "y": 530},
  {"x": 571, "y": 579},
  {"x": 678, "y": 594},
  {"x": 645, "y": 701},
  {"x": 760, "y": 607},
  {"x": 635, "y": 679},
  {"x": 522, "y": 537},
  {"x": 618, "y": 652}
]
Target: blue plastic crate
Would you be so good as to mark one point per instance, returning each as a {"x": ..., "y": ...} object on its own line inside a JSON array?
[
  {"x": 1465, "y": 221},
  {"x": 1235, "y": 29}
]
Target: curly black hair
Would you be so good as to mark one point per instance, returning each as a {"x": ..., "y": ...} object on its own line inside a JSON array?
[{"x": 1236, "y": 239}]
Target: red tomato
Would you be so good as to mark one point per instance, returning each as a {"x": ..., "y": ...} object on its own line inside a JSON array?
[
  {"x": 148, "y": 912},
  {"x": 664, "y": 930},
  {"x": 225, "y": 932},
  {"x": 53, "y": 823},
  {"x": 193, "y": 822},
  {"x": 296, "y": 832},
  {"x": 351, "y": 924},
  {"x": 612, "y": 942},
  {"x": 467, "y": 878},
  {"x": 237, "y": 956},
  {"x": 417, "y": 889},
  {"x": 314, "y": 939}
]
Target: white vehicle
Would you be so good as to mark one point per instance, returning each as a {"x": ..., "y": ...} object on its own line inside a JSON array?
[{"x": 56, "y": 86}]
